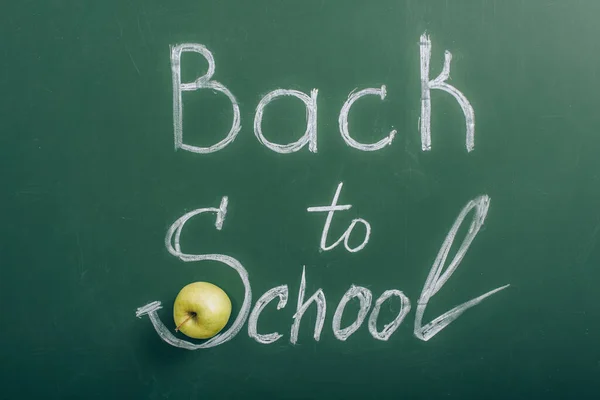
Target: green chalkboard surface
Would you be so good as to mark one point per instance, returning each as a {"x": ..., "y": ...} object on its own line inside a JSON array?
[{"x": 400, "y": 198}]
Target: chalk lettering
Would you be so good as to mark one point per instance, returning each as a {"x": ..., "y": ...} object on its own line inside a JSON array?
[
  {"x": 282, "y": 293},
  {"x": 441, "y": 84},
  {"x": 172, "y": 242},
  {"x": 343, "y": 121},
  {"x": 346, "y": 236},
  {"x": 310, "y": 135},
  {"x": 389, "y": 328},
  {"x": 319, "y": 299},
  {"x": 364, "y": 296},
  {"x": 203, "y": 82},
  {"x": 436, "y": 279}
]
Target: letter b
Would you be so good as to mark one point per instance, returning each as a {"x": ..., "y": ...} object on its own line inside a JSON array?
[{"x": 204, "y": 82}]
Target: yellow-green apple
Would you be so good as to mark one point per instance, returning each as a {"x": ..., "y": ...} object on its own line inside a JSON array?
[{"x": 201, "y": 310}]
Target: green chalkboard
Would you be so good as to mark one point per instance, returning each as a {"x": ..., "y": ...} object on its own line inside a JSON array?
[{"x": 416, "y": 185}]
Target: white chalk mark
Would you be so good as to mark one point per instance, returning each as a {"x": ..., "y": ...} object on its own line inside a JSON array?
[
  {"x": 220, "y": 215},
  {"x": 389, "y": 328},
  {"x": 310, "y": 135},
  {"x": 343, "y": 121},
  {"x": 203, "y": 82},
  {"x": 151, "y": 310},
  {"x": 282, "y": 293},
  {"x": 348, "y": 232},
  {"x": 172, "y": 242},
  {"x": 148, "y": 308},
  {"x": 436, "y": 279},
  {"x": 330, "y": 210},
  {"x": 441, "y": 84},
  {"x": 364, "y": 296},
  {"x": 319, "y": 299}
]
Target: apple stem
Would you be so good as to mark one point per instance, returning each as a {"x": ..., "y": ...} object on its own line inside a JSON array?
[{"x": 186, "y": 320}]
